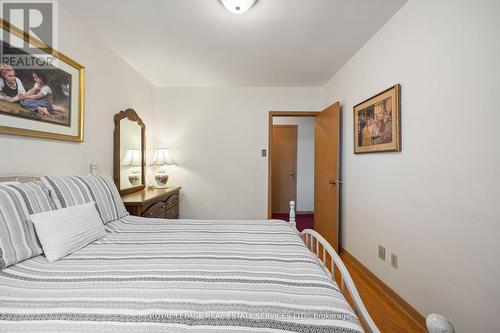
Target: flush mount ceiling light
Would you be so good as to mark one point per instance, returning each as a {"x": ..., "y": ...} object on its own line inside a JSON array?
[{"x": 238, "y": 6}]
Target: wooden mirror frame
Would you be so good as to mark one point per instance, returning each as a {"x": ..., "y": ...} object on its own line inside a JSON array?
[{"x": 131, "y": 115}]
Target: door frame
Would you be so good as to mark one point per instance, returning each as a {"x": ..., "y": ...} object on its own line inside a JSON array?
[{"x": 270, "y": 149}]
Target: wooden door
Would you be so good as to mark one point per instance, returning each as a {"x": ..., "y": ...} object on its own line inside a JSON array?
[
  {"x": 284, "y": 167},
  {"x": 326, "y": 174}
]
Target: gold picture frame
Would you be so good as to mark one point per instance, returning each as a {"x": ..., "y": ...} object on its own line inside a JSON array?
[
  {"x": 377, "y": 126},
  {"x": 73, "y": 129}
]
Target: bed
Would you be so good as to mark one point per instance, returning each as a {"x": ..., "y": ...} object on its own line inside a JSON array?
[
  {"x": 156, "y": 275},
  {"x": 150, "y": 275}
]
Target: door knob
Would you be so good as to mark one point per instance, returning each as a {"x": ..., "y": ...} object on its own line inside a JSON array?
[
  {"x": 334, "y": 182},
  {"x": 291, "y": 172}
]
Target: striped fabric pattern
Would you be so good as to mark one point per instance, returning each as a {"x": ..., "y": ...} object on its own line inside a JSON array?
[
  {"x": 76, "y": 190},
  {"x": 66, "y": 230},
  {"x": 151, "y": 275},
  {"x": 17, "y": 235}
]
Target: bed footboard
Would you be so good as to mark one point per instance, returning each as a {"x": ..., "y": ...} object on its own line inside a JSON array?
[
  {"x": 323, "y": 250},
  {"x": 314, "y": 241},
  {"x": 330, "y": 260}
]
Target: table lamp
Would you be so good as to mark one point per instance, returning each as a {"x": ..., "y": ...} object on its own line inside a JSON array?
[
  {"x": 161, "y": 159},
  {"x": 133, "y": 158}
]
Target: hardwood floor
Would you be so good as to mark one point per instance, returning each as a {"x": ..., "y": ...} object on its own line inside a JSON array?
[{"x": 388, "y": 317}]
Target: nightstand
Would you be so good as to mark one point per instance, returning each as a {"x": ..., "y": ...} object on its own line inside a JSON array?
[{"x": 158, "y": 203}]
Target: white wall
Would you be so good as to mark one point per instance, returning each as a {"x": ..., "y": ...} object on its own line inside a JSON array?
[
  {"x": 305, "y": 159},
  {"x": 216, "y": 136},
  {"x": 111, "y": 85},
  {"x": 435, "y": 204}
]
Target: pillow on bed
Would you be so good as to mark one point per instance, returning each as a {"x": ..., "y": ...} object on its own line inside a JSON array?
[
  {"x": 18, "y": 241},
  {"x": 77, "y": 190},
  {"x": 67, "y": 230}
]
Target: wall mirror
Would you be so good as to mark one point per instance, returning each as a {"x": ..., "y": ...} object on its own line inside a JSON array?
[{"x": 129, "y": 152}]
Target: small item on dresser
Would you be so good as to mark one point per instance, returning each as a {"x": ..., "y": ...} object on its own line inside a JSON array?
[{"x": 162, "y": 159}]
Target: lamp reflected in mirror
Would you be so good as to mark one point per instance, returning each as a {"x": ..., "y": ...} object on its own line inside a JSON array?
[
  {"x": 129, "y": 156},
  {"x": 162, "y": 160},
  {"x": 133, "y": 159}
]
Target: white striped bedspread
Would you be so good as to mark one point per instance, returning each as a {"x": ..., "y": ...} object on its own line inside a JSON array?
[{"x": 151, "y": 275}]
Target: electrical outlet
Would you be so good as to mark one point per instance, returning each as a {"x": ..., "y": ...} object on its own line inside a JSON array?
[
  {"x": 394, "y": 260},
  {"x": 264, "y": 152},
  {"x": 381, "y": 252}
]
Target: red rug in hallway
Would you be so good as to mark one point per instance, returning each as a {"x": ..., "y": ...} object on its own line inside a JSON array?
[{"x": 303, "y": 221}]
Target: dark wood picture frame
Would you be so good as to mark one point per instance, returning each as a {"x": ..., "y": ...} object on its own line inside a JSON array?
[
  {"x": 131, "y": 115},
  {"x": 379, "y": 110}
]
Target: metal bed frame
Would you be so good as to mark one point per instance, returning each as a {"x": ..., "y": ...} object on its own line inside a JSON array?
[{"x": 320, "y": 247}]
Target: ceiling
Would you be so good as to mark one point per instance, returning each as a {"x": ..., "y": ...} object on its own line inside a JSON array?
[{"x": 199, "y": 43}]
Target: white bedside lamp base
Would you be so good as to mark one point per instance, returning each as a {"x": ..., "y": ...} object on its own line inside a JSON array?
[
  {"x": 161, "y": 159},
  {"x": 161, "y": 179}
]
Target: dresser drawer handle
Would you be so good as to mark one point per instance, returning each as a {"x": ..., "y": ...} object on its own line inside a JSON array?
[
  {"x": 172, "y": 213},
  {"x": 156, "y": 210},
  {"x": 172, "y": 201}
]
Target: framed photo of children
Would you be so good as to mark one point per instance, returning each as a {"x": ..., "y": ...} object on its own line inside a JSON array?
[
  {"x": 41, "y": 89},
  {"x": 377, "y": 125}
]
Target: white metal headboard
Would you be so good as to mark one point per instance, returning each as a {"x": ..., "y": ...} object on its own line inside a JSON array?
[{"x": 21, "y": 179}]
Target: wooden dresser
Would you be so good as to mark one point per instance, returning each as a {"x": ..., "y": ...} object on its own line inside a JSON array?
[{"x": 157, "y": 203}]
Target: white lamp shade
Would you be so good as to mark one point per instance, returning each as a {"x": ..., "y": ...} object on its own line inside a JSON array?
[
  {"x": 238, "y": 6},
  {"x": 133, "y": 157},
  {"x": 162, "y": 157}
]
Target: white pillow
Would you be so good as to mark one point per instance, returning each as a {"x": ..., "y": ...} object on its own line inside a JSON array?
[{"x": 63, "y": 231}]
